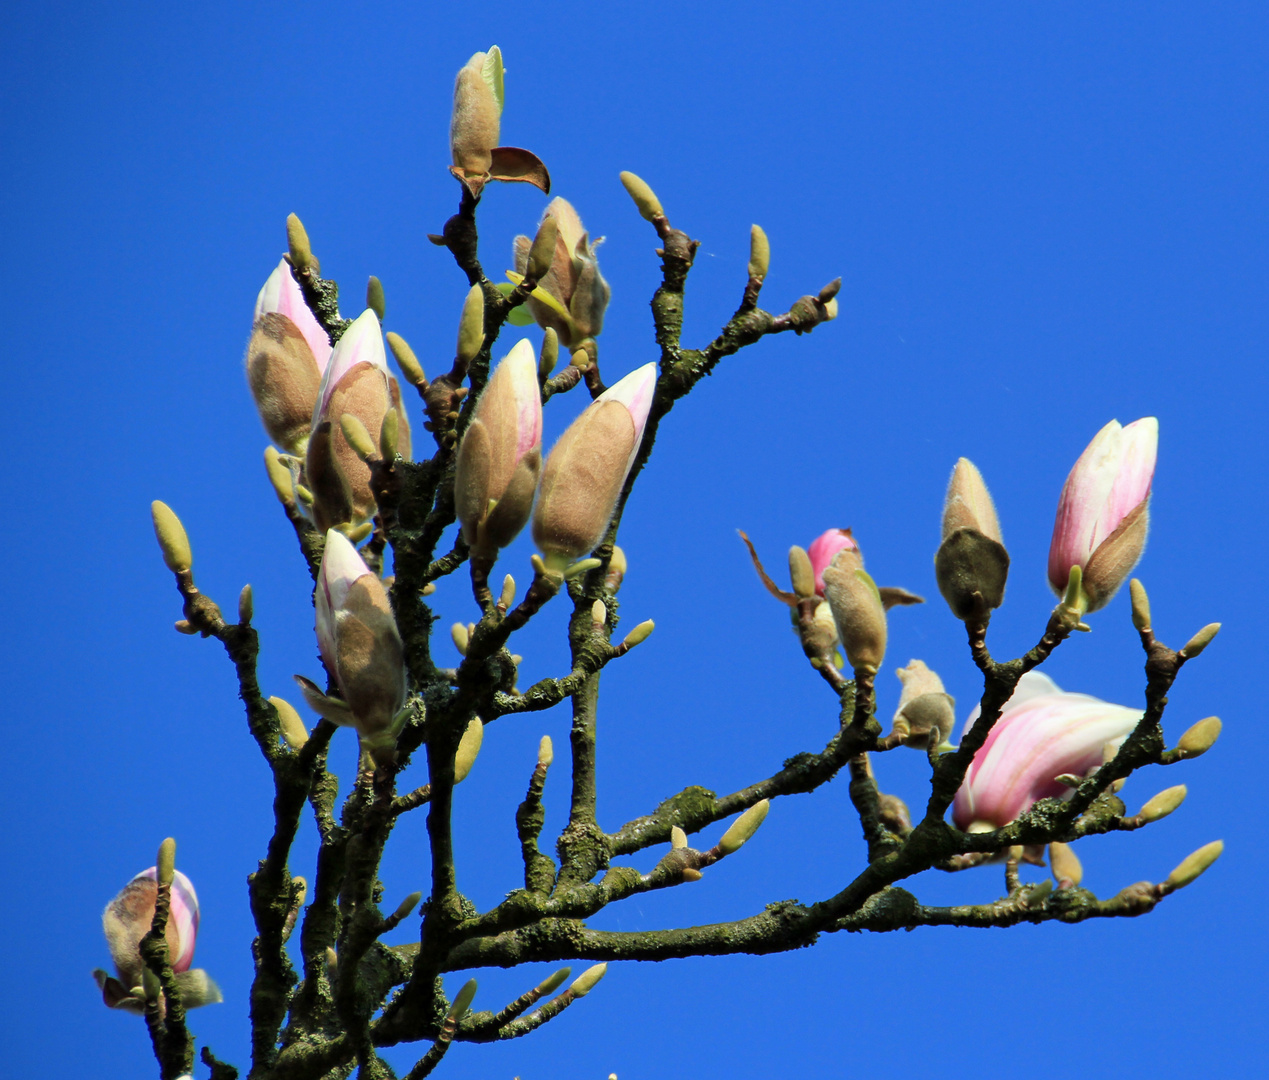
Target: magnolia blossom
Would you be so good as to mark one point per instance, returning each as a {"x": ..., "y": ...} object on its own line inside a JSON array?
[
  {"x": 286, "y": 357},
  {"x": 1042, "y": 733},
  {"x": 824, "y": 548},
  {"x": 500, "y": 456},
  {"x": 356, "y": 381},
  {"x": 586, "y": 469},
  {"x": 127, "y": 920},
  {"x": 573, "y": 279},
  {"x": 1103, "y": 513}
]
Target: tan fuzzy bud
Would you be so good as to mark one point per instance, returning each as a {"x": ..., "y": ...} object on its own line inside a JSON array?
[
  {"x": 639, "y": 634},
  {"x": 801, "y": 572},
  {"x": 407, "y": 905},
  {"x": 173, "y": 541},
  {"x": 744, "y": 827},
  {"x": 598, "y": 614},
  {"x": 468, "y": 749},
  {"x": 971, "y": 570},
  {"x": 1140, "y": 605},
  {"x": 246, "y": 606},
  {"x": 374, "y": 296},
  {"x": 279, "y": 477},
  {"x": 297, "y": 243},
  {"x": 390, "y": 434},
  {"x": 358, "y": 437},
  {"x": 508, "y": 595},
  {"x": 1194, "y": 864},
  {"x": 925, "y": 709},
  {"x": 585, "y": 982},
  {"x": 166, "y": 862},
  {"x": 857, "y": 611},
  {"x": 1199, "y": 739},
  {"x": 1163, "y": 804},
  {"x": 549, "y": 356},
  {"x": 645, "y": 200},
  {"x": 759, "y": 253},
  {"x": 463, "y": 1000},
  {"x": 1065, "y": 863},
  {"x": 552, "y": 982},
  {"x": 289, "y": 723},
  {"x": 284, "y": 378},
  {"x": 411, "y": 369},
  {"x": 471, "y": 326},
  {"x": 542, "y": 250},
  {"x": 968, "y": 504},
  {"x": 546, "y": 752},
  {"x": 474, "y": 124},
  {"x": 1200, "y": 641}
]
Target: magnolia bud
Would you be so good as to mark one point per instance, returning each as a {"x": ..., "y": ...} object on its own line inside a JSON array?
[
  {"x": 617, "y": 567},
  {"x": 553, "y": 982},
  {"x": 1162, "y": 804},
  {"x": 801, "y": 572},
  {"x": 474, "y": 124},
  {"x": 407, "y": 362},
  {"x": 1200, "y": 641},
  {"x": 173, "y": 541},
  {"x": 508, "y": 594},
  {"x": 298, "y": 246},
  {"x": 279, "y": 477},
  {"x": 857, "y": 611},
  {"x": 925, "y": 708},
  {"x": 971, "y": 564},
  {"x": 598, "y": 614},
  {"x": 585, "y": 982},
  {"x": 645, "y": 200},
  {"x": 549, "y": 355},
  {"x": 1194, "y": 864},
  {"x": 572, "y": 295},
  {"x": 289, "y": 723},
  {"x": 471, "y": 326},
  {"x": 639, "y": 634},
  {"x": 468, "y": 748},
  {"x": 358, "y": 437},
  {"x": 546, "y": 752},
  {"x": 678, "y": 838},
  {"x": 1065, "y": 863},
  {"x": 463, "y": 999},
  {"x": 332, "y": 963},
  {"x": 1140, "y": 605},
  {"x": 374, "y": 296},
  {"x": 407, "y": 905},
  {"x": 166, "y": 862},
  {"x": 1199, "y": 738},
  {"x": 744, "y": 827},
  {"x": 830, "y": 291},
  {"x": 246, "y": 606},
  {"x": 759, "y": 253},
  {"x": 542, "y": 251},
  {"x": 389, "y": 434}
]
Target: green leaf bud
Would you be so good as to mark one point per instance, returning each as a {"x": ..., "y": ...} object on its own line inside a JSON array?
[
  {"x": 165, "y": 864},
  {"x": 297, "y": 243},
  {"x": 1194, "y": 864},
  {"x": 289, "y": 723},
  {"x": 374, "y": 296},
  {"x": 585, "y": 982},
  {"x": 471, "y": 326},
  {"x": 550, "y": 354},
  {"x": 458, "y": 632},
  {"x": 358, "y": 437},
  {"x": 598, "y": 614},
  {"x": 468, "y": 748},
  {"x": 801, "y": 572},
  {"x": 678, "y": 838},
  {"x": 1140, "y": 605},
  {"x": 1199, "y": 738},
  {"x": 542, "y": 250},
  {"x": 639, "y": 634},
  {"x": 553, "y": 982},
  {"x": 411, "y": 369},
  {"x": 407, "y": 905},
  {"x": 1065, "y": 864},
  {"x": 744, "y": 827},
  {"x": 246, "y": 606},
  {"x": 508, "y": 595},
  {"x": 759, "y": 253},
  {"x": 1200, "y": 641},
  {"x": 462, "y": 1002},
  {"x": 173, "y": 541},
  {"x": 546, "y": 752},
  {"x": 645, "y": 200},
  {"x": 1163, "y": 804},
  {"x": 279, "y": 477},
  {"x": 389, "y": 434}
]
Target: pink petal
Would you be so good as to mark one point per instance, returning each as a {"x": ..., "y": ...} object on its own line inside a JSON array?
[{"x": 282, "y": 294}]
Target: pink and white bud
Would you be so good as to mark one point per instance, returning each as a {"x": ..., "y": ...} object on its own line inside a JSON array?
[
  {"x": 823, "y": 550},
  {"x": 359, "y": 642},
  {"x": 573, "y": 279},
  {"x": 356, "y": 382},
  {"x": 286, "y": 357},
  {"x": 1042, "y": 733},
  {"x": 586, "y": 470},
  {"x": 1103, "y": 513},
  {"x": 500, "y": 457}
]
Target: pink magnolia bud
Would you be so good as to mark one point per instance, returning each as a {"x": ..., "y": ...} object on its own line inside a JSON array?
[
  {"x": 573, "y": 279},
  {"x": 357, "y": 382},
  {"x": 586, "y": 469},
  {"x": 500, "y": 456},
  {"x": 1103, "y": 513},
  {"x": 824, "y": 548},
  {"x": 359, "y": 642},
  {"x": 286, "y": 356},
  {"x": 1042, "y": 733}
]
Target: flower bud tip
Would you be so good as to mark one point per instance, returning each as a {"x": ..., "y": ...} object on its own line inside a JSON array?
[
  {"x": 1194, "y": 864},
  {"x": 165, "y": 865},
  {"x": 463, "y": 999},
  {"x": 468, "y": 748},
  {"x": 645, "y": 200},
  {"x": 374, "y": 296},
  {"x": 759, "y": 253},
  {"x": 585, "y": 982},
  {"x": 744, "y": 827},
  {"x": 297, "y": 243},
  {"x": 1200, "y": 641},
  {"x": 1162, "y": 804},
  {"x": 173, "y": 541}
]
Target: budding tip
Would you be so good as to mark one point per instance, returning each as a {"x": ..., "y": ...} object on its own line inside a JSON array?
[
  {"x": 585, "y": 982},
  {"x": 246, "y": 606},
  {"x": 165, "y": 864},
  {"x": 546, "y": 752},
  {"x": 1200, "y": 641},
  {"x": 297, "y": 243},
  {"x": 463, "y": 1000},
  {"x": 645, "y": 200},
  {"x": 374, "y": 296},
  {"x": 639, "y": 634},
  {"x": 172, "y": 538},
  {"x": 759, "y": 253},
  {"x": 678, "y": 838}
]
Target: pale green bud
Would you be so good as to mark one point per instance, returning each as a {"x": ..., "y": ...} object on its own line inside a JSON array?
[
  {"x": 289, "y": 723},
  {"x": 744, "y": 827},
  {"x": 184, "y": 626},
  {"x": 553, "y": 982},
  {"x": 585, "y": 982},
  {"x": 1200, "y": 641},
  {"x": 1065, "y": 863},
  {"x": 1140, "y": 605},
  {"x": 298, "y": 245},
  {"x": 279, "y": 476},
  {"x": 1163, "y": 804},
  {"x": 542, "y": 250},
  {"x": 550, "y": 354},
  {"x": 173, "y": 541},
  {"x": 639, "y": 634},
  {"x": 580, "y": 567},
  {"x": 389, "y": 434},
  {"x": 411, "y": 369},
  {"x": 598, "y": 614},
  {"x": 374, "y": 296},
  {"x": 407, "y": 905},
  {"x": 1199, "y": 738},
  {"x": 546, "y": 752},
  {"x": 471, "y": 327},
  {"x": 678, "y": 838},
  {"x": 358, "y": 437},
  {"x": 801, "y": 573},
  {"x": 459, "y": 633},
  {"x": 462, "y": 1002},
  {"x": 1194, "y": 864},
  {"x": 165, "y": 864},
  {"x": 468, "y": 748},
  {"x": 759, "y": 253},
  {"x": 246, "y": 605},
  {"x": 645, "y": 200},
  {"x": 508, "y": 595}
]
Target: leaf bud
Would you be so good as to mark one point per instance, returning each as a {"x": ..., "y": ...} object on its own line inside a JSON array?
[
  {"x": 549, "y": 355},
  {"x": 389, "y": 434},
  {"x": 1199, "y": 738},
  {"x": 374, "y": 296},
  {"x": 407, "y": 362},
  {"x": 678, "y": 838},
  {"x": 542, "y": 250},
  {"x": 332, "y": 963},
  {"x": 552, "y": 982},
  {"x": 857, "y": 611},
  {"x": 458, "y": 632},
  {"x": 246, "y": 606},
  {"x": 279, "y": 476},
  {"x": 184, "y": 626},
  {"x": 165, "y": 864},
  {"x": 173, "y": 541},
  {"x": 645, "y": 200},
  {"x": 468, "y": 748},
  {"x": 1162, "y": 804},
  {"x": 462, "y": 1000},
  {"x": 1066, "y": 864},
  {"x": 598, "y": 614},
  {"x": 407, "y": 905},
  {"x": 289, "y": 723},
  {"x": 759, "y": 253},
  {"x": 297, "y": 243},
  {"x": 925, "y": 709},
  {"x": 830, "y": 291},
  {"x": 744, "y": 827},
  {"x": 617, "y": 567},
  {"x": 546, "y": 752},
  {"x": 585, "y": 982},
  {"x": 582, "y": 566},
  {"x": 690, "y": 873},
  {"x": 639, "y": 634},
  {"x": 358, "y": 437},
  {"x": 471, "y": 326},
  {"x": 1194, "y": 864},
  {"x": 1140, "y": 605},
  {"x": 508, "y": 595},
  {"x": 1200, "y": 641},
  {"x": 801, "y": 572}
]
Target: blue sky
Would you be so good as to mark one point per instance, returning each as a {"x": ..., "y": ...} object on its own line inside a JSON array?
[{"x": 1044, "y": 218}]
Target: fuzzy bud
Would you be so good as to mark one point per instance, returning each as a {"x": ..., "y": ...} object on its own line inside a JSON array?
[
  {"x": 1065, "y": 863},
  {"x": 553, "y": 982},
  {"x": 598, "y": 614},
  {"x": 173, "y": 541},
  {"x": 358, "y": 437},
  {"x": 1200, "y": 641},
  {"x": 471, "y": 325},
  {"x": 925, "y": 710},
  {"x": 279, "y": 477},
  {"x": 289, "y": 723},
  {"x": 971, "y": 564},
  {"x": 546, "y": 752},
  {"x": 1162, "y": 804},
  {"x": 407, "y": 362},
  {"x": 1198, "y": 739},
  {"x": 390, "y": 434},
  {"x": 572, "y": 295},
  {"x": 744, "y": 827},
  {"x": 468, "y": 748},
  {"x": 407, "y": 905},
  {"x": 759, "y": 253},
  {"x": 645, "y": 200},
  {"x": 639, "y": 634},
  {"x": 463, "y": 1000},
  {"x": 165, "y": 867},
  {"x": 549, "y": 355},
  {"x": 1194, "y": 864},
  {"x": 1140, "y": 605},
  {"x": 585, "y": 982},
  {"x": 801, "y": 572},
  {"x": 474, "y": 124},
  {"x": 857, "y": 611},
  {"x": 542, "y": 251}
]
